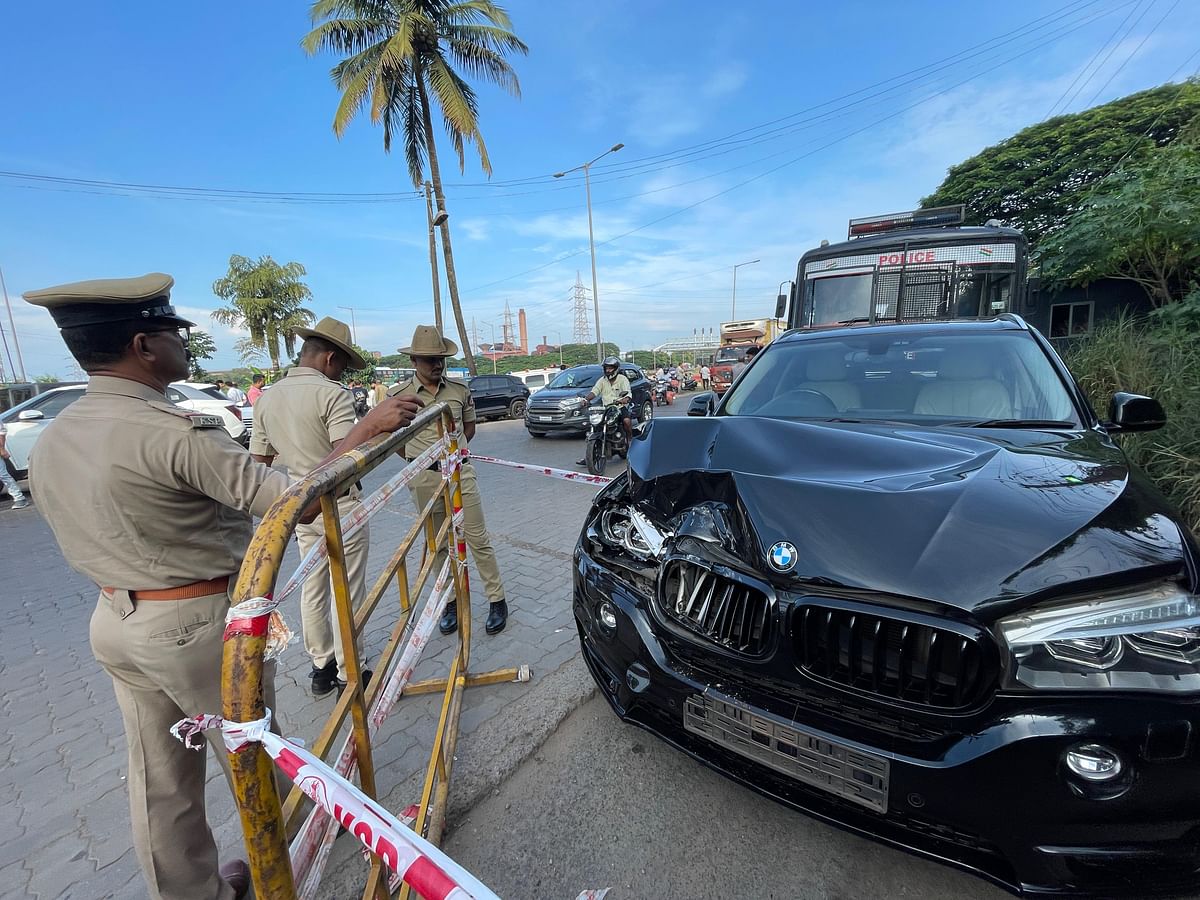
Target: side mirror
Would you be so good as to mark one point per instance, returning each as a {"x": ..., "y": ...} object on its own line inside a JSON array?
[
  {"x": 703, "y": 404},
  {"x": 781, "y": 305},
  {"x": 30, "y": 415},
  {"x": 1133, "y": 412}
]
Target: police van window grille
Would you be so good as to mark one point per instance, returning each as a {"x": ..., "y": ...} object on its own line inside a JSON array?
[{"x": 926, "y": 292}]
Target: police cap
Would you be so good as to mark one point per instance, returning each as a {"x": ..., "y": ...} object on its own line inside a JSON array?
[{"x": 103, "y": 300}]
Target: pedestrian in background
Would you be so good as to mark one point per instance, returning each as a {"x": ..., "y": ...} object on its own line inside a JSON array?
[
  {"x": 157, "y": 512},
  {"x": 235, "y": 394},
  {"x": 256, "y": 389},
  {"x": 298, "y": 423},
  {"x": 429, "y": 351},
  {"x": 20, "y": 501},
  {"x": 705, "y": 378}
]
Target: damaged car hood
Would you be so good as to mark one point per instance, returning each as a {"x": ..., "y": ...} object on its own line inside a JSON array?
[{"x": 970, "y": 519}]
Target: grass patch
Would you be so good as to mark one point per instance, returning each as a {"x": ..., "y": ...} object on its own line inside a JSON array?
[{"x": 1161, "y": 359}]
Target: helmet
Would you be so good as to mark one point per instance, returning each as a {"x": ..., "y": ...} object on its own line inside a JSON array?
[{"x": 611, "y": 361}]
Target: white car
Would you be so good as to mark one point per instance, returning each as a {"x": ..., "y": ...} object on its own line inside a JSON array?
[{"x": 25, "y": 421}]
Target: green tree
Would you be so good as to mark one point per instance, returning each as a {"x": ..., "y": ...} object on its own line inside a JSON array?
[
  {"x": 266, "y": 299},
  {"x": 1141, "y": 224},
  {"x": 398, "y": 52},
  {"x": 1036, "y": 179},
  {"x": 46, "y": 379},
  {"x": 200, "y": 346}
]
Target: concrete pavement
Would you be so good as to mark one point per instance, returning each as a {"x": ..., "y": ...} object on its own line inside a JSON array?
[{"x": 62, "y": 753}]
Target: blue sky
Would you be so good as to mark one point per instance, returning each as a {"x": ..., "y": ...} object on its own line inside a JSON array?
[{"x": 223, "y": 97}]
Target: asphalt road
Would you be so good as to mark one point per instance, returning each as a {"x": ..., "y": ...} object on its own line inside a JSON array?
[{"x": 606, "y": 805}]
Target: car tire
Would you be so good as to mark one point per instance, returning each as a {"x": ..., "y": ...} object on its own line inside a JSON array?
[
  {"x": 516, "y": 409},
  {"x": 647, "y": 411}
]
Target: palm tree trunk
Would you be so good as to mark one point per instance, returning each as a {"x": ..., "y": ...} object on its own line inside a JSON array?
[{"x": 435, "y": 175}]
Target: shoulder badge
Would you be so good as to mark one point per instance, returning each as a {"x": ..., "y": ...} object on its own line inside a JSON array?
[
  {"x": 399, "y": 388},
  {"x": 197, "y": 419}
]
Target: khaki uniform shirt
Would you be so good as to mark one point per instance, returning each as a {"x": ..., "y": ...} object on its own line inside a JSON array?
[
  {"x": 142, "y": 494},
  {"x": 609, "y": 392},
  {"x": 453, "y": 393},
  {"x": 300, "y": 419}
]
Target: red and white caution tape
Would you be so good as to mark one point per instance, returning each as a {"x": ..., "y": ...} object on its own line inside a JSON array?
[
  {"x": 564, "y": 474},
  {"x": 428, "y": 870},
  {"x": 312, "y": 845}
]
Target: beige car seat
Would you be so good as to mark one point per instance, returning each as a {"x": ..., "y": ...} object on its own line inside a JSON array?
[
  {"x": 964, "y": 387},
  {"x": 826, "y": 373}
]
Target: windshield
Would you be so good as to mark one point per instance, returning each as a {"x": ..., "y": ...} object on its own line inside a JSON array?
[
  {"x": 731, "y": 354},
  {"x": 580, "y": 376},
  {"x": 934, "y": 377},
  {"x": 929, "y": 292}
]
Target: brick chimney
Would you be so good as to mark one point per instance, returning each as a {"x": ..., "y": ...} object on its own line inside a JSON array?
[{"x": 524, "y": 332}]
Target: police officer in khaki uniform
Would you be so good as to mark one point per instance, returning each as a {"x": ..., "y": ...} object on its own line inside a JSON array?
[
  {"x": 153, "y": 503},
  {"x": 298, "y": 422},
  {"x": 429, "y": 351}
]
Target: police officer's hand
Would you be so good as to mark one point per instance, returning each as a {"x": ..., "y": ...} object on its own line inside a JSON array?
[{"x": 393, "y": 413}]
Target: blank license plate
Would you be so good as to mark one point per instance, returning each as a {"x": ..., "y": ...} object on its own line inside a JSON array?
[{"x": 544, "y": 418}]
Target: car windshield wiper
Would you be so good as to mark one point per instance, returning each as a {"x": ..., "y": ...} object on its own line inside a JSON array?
[{"x": 1012, "y": 423}]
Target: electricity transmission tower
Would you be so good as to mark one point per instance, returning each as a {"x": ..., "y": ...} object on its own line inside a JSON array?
[
  {"x": 508, "y": 341},
  {"x": 583, "y": 329}
]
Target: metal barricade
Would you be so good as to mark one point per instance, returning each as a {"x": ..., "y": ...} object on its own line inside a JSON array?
[{"x": 265, "y": 823}]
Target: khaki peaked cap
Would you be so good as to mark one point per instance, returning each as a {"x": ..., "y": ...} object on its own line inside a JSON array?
[
  {"x": 428, "y": 341},
  {"x": 104, "y": 300},
  {"x": 337, "y": 333}
]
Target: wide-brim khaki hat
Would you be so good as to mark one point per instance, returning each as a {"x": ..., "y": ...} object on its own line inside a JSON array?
[
  {"x": 337, "y": 333},
  {"x": 428, "y": 341}
]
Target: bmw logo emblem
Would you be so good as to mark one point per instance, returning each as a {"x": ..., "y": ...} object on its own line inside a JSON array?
[{"x": 782, "y": 556}]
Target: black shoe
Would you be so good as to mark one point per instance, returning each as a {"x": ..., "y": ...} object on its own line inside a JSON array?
[
  {"x": 449, "y": 622},
  {"x": 581, "y": 462},
  {"x": 325, "y": 679},
  {"x": 497, "y": 617},
  {"x": 365, "y": 678}
]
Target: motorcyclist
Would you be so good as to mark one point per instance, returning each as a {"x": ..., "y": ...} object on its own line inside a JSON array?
[{"x": 613, "y": 390}]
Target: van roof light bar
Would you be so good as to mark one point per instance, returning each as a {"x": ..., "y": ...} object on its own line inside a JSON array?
[{"x": 933, "y": 217}]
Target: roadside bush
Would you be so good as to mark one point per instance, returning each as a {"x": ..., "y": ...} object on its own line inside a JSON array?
[{"x": 1159, "y": 358}]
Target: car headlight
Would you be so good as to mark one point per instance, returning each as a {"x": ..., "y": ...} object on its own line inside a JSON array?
[
  {"x": 1144, "y": 639},
  {"x": 571, "y": 403}
]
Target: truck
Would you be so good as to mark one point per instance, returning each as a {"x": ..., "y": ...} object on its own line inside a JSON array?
[
  {"x": 917, "y": 265},
  {"x": 737, "y": 338}
]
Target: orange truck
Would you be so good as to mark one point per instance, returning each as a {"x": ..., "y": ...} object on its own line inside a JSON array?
[{"x": 736, "y": 340}]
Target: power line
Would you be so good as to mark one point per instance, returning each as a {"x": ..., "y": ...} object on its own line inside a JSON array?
[
  {"x": 1095, "y": 56},
  {"x": 1135, "y": 52}
]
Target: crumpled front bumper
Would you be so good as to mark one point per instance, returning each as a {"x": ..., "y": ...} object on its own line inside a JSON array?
[{"x": 994, "y": 799}]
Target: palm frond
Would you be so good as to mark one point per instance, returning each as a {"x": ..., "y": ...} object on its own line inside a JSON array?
[
  {"x": 345, "y": 35},
  {"x": 499, "y": 39},
  {"x": 486, "y": 64},
  {"x": 474, "y": 10},
  {"x": 416, "y": 141}
]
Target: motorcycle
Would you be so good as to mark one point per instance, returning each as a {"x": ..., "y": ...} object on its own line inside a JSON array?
[
  {"x": 606, "y": 436},
  {"x": 663, "y": 393}
]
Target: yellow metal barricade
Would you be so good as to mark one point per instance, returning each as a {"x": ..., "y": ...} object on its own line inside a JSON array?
[{"x": 265, "y": 823}]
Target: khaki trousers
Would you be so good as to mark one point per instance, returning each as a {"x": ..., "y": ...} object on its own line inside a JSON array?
[
  {"x": 164, "y": 657},
  {"x": 423, "y": 487},
  {"x": 322, "y": 639}
]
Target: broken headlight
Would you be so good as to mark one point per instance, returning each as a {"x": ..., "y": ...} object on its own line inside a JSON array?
[
  {"x": 1141, "y": 640},
  {"x": 624, "y": 528}
]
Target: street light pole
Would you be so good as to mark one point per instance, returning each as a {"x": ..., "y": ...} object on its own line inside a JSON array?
[
  {"x": 353, "y": 327},
  {"x": 558, "y": 334},
  {"x": 587, "y": 184},
  {"x": 733, "y": 312},
  {"x": 434, "y": 221}
]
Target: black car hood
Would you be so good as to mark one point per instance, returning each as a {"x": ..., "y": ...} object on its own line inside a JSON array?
[
  {"x": 560, "y": 393},
  {"x": 971, "y": 519}
]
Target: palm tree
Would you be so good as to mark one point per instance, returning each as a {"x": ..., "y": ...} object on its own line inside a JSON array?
[
  {"x": 267, "y": 300},
  {"x": 398, "y": 52}
]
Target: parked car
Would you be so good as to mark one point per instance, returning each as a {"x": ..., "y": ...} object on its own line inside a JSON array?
[
  {"x": 560, "y": 408},
  {"x": 905, "y": 579},
  {"x": 203, "y": 397},
  {"x": 25, "y": 421},
  {"x": 536, "y": 379},
  {"x": 497, "y": 396}
]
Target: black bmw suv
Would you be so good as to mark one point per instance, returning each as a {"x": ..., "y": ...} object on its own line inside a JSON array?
[
  {"x": 559, "y": 407},
  {"x": 903, "y": 578}
]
